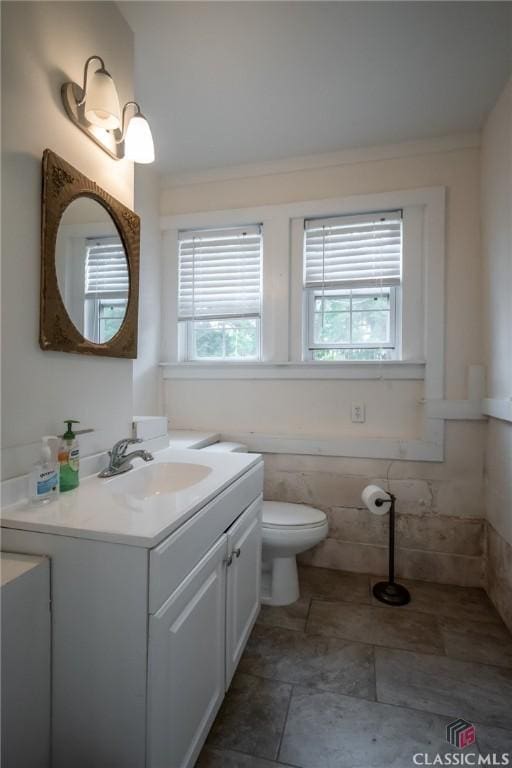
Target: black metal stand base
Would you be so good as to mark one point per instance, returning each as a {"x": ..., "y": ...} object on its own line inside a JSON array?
[{"x": 390, "y": 593}]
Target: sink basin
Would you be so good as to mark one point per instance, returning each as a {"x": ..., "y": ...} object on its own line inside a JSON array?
[{"x": 159, "y": 479}]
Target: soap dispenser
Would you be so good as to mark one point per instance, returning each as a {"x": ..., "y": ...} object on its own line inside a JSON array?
[
  {"x": 69, "y": 458},
  {"x": 44, "y": 478}
]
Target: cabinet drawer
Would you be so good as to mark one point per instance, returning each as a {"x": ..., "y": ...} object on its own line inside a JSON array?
[{"x": 178, "y": 554}]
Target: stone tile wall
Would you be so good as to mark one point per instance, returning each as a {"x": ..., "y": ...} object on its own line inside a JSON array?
[
  {"x": 499, "y": 574},
  {"x": 440, "y": 523}
]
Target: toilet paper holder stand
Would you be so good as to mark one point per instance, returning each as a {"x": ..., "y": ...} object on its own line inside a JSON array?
[{"x": 389, "y": 591}]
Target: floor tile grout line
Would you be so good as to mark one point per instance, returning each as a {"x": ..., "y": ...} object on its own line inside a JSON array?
[
  {"x": 374, "y": 658},
  {"x": 310, "y": 598},
  {"x": 441, "y": 714},
  {"x": 312, "y": 687},
  {"x": 441, "y": 655},
  {"x": 373, "y": 604},
  {"x": 388, "y": 647},
  {"x": 495, "y": 727},
  {"x": 376, "y": 699},
  {"x": 381, "y": 607},
  {"x": 285, "y": 722},
  {"x": 443, "y": 638},
  {"x": 323, "y": 598},
  {"x": 430, "y": 711},
  {"x": 411, "y": 709},
  {"x": 250, "y": 754},
  {"x": 383, "y": 703},
  {"x": 280, "y": 626},
  {"x": 319, "y": 689},
  {"x": 308, "y": 612}
]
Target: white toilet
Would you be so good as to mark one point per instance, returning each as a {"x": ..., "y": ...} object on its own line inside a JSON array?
[{"x": 287, "y": 530}]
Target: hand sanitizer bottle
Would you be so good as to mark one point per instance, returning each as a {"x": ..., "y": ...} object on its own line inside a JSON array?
[{"x": 44, "y": 478}]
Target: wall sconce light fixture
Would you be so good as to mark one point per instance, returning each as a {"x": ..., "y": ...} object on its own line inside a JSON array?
[
  {"x": 94, "y": 108},
  {"x": 138, "y": 141}
]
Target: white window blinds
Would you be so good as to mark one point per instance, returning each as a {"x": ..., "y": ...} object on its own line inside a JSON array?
[
  {"x": 106, "y": 268},
  {"x": 220, "y": 273},
  {"x": 353, "y": 251}
]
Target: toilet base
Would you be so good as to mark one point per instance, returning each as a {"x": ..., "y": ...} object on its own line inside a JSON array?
[{"x": 280, "y": 581}]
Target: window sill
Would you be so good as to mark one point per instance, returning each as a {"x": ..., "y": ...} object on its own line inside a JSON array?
[{"x": 388, "y": 369}]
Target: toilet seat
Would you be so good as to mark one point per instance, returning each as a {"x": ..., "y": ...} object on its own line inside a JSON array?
[{"x": 285, "y": 516}]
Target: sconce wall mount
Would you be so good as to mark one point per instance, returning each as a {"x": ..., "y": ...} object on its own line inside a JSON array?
[{"x": 94, "y": 108}]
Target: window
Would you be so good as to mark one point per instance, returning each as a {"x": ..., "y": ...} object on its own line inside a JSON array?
[
  {"x": 219, "y": 306},
  {"x": 106, "y": 288},
  {"x": 111, "y": 314},
  {"x": 352, "y": 276}
]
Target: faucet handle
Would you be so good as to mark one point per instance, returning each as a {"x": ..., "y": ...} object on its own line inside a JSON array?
[{"x": 120, "y": 447}]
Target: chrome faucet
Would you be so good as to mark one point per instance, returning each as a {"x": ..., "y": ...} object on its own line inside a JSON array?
[{"x": 120, "y": 461}]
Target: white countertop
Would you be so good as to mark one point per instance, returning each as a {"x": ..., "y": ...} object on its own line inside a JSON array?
[
  {"x": 12, "y": 565},
  {"x": 188, "y": 438},
  {"x": 96, "y": 510}
]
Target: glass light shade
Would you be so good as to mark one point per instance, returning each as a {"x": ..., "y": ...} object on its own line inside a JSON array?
[
  {"x": 138, "y": 142},
  {"x": 102, "y": 102}
]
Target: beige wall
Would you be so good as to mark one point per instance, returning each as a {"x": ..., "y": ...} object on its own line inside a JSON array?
[
  {"x": 441, "y": 510},
  {"x": 497, "y": 260},
  {"x": 497, "y": 252},
  {"x": 43, "y": 45},
  {"x": 320, "y": 407},
  {"x": 146, "y": 374},
  {"x": 458, "y": 171}
]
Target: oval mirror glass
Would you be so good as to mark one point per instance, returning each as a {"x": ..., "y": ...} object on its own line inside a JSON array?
[{"x": 92, "y": 270}]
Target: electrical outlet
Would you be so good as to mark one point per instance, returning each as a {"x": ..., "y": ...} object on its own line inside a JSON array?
[{"x": 358, "y": 413}]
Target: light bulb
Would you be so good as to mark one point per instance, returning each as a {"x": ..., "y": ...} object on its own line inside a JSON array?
[
  {"x": 138, "y": 143},
  {"x": 102, "y": 102}
]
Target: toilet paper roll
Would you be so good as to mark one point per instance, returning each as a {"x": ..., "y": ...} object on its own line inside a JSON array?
[{"x": 371, "y": 494}]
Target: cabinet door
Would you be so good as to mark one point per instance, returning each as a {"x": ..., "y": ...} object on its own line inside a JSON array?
[
  {"x": 25, "y": 664},
  {"x": 187, "y": 663},
  {"x": 243, "y": 583}
]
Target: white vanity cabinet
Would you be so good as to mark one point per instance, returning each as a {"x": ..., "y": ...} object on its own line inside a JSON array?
[
  {"x": 196, "y": 639},
  {"x": 146, "y": 639}
]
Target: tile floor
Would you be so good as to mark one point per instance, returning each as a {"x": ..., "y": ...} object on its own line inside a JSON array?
[{"x": 339, "y": 681}]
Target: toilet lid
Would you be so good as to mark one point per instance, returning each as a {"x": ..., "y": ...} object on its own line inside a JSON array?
[{"x": 281, "y": 513}]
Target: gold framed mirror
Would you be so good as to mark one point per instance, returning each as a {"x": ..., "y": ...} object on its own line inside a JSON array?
[{"x": 89, "y": 266}]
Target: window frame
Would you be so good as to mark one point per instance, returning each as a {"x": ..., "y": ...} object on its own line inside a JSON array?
[
  {"x": 186, "y": 346},
  {"x": 310, "y": 346},
  {"x": 188, "y": 342},
  {"x": 311, "y": 291},
  {"x": 93, "y": 300},
  {"x": 421, "y": 335}
]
